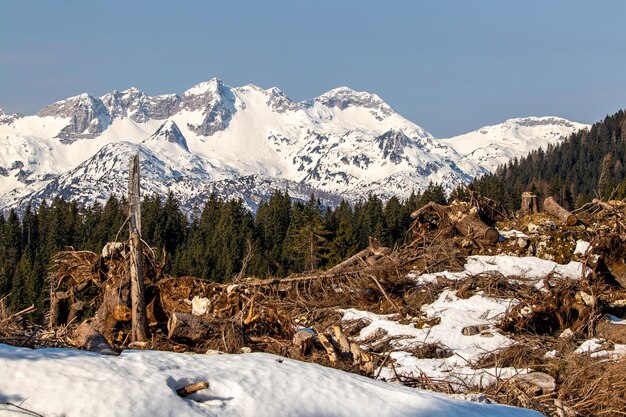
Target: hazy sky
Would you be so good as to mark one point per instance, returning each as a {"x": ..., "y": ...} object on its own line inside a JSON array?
[{"x": 449, "y": 66}]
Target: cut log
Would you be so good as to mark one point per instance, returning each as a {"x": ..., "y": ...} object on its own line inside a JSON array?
[
  {"x": 303, "y": 340},
  {"x": 87, "y": 338},
  {"x": 330, "y": 350},
  {"x": 344, "y": 344},
  {"x": 188, "y": 327},
  {"x": 552, "y": 207},
  {"x": 529, "y": 203},
  {"x": 471, "y": 226},
  {"x": 192, "y": 388}
]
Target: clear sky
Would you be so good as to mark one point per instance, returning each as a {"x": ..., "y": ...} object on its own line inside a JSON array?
[{"x": 449, "y": 66}]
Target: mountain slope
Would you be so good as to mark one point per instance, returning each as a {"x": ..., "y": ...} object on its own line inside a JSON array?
[
  {"x": 492, "y": 146},
  {"x": 342, "y": 143},
  {"x": 588, "y": 164}
]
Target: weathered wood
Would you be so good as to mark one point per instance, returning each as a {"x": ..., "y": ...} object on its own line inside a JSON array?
[
  {"x": 188, "y": 327},
  {"x": 75, "y": 309},
  {"x": 351, "y": 261},
  {"x": 603, "y": 204},
  {"x": 303, "y": 340},
  {"x": 139, "y": 327},
  {"x": 121, "y": 312},
  {"x": 330, "y": 349},
  {"x": 192, "y": 388},
  {"x": 87, "y": 338},
  {"x": 464, "y": 222},
  {"x": 471, "y": 226},
  {"x": 105, "y": 319},
  {"x": 552, "y": 207},
  {"x": 529, "y": 203},
  {"x": 54, "y": 316},
  {"x": 344, "y": 344},
  {"x": 355, "y": 350}
]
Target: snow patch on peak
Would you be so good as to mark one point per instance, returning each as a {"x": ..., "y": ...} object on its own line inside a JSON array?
[
  {"x": 169, "y": 132},
  {"x": 494, "y": 145},
  {"x": 212, "y": 86}
]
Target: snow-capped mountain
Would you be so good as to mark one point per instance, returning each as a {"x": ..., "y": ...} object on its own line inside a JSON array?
[
  {"x": 244, "y": 142},
  {"x": 491, "y": 146}
]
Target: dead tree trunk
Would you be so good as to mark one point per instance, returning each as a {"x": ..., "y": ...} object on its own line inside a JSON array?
[
  {"x": 529, "y": 203},
  {"x": 552, "y": 207},
  {"x": 139, "y": 330}
]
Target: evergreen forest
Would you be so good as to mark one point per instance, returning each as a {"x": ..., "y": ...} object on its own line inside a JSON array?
[
  {"x": 223, "y": 241},
  {"x": 589, "y": 164}
]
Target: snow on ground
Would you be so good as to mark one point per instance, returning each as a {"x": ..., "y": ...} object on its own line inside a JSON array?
[
  {"x": 454, "y": 314},
  {"x": 72, "y": 383},
  {"x": 449, "y": 315},
  {"x": 529, "y": 268},
  {"x": 598, "y": 348}
]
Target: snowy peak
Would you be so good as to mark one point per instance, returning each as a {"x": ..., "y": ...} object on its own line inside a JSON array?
[
  {"x": 215, "y": 101},
  {"x": 87, "y": 117},
  {"x": 491, "y": 146},
  {"x": 168, "y": 132},
  {"x": 344, "y": 97}
]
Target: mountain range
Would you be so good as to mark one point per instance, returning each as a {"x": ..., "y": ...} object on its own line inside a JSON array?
[{"x": 245, "y": 142}]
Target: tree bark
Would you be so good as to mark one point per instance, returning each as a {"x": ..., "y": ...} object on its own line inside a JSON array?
[
  {"x": 552, "y": 207},
  {"x": 139, "y": 328},
  {"x": 471, "y": 226},
  {"x": 529, "y": 203},
  {"x": 88, "y": 338},
  {"x": 188, "y": 327},
  {"x": 330, "y": 349}
]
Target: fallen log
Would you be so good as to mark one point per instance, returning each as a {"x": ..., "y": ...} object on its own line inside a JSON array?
[
  {"x": 87, "y": 338},
  {"x": 186, "y": 391},
  {"x": 552, "y": 207},
  {"x": 464, "y": 222},
  {"x": 188, "y": 327},
  {"x": 471, "y": 226}
]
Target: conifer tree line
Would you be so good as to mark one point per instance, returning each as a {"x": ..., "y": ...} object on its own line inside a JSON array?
[
  {"x": 224, "y": 240},
  {"x": 588, "y": 164}
]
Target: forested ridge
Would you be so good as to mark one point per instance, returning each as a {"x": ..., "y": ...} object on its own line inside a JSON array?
[
  {"x": 283, "y": 237},
  {"x": 588, "y": 164}
]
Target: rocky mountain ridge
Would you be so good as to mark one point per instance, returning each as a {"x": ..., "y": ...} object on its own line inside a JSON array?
[{"x": 244, "y": 142}]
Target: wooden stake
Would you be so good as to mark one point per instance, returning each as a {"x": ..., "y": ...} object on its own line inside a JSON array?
[{"x": 139, "y": 332}]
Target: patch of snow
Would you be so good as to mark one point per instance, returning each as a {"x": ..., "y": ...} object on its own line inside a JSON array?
[
  {"x": 529, "y": 268},
  {"x": 72, "y": 383},
  {"x": 581, "y": 247}
]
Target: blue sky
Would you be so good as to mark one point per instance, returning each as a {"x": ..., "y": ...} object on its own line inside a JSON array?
[{"x": 449, "y": 66}]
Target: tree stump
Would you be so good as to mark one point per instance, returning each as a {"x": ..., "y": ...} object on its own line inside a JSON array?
[
  {"x": 87, "y": 338},
  {"x": 188, "y": 327},
  {"x": 529, "y": 203}
]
